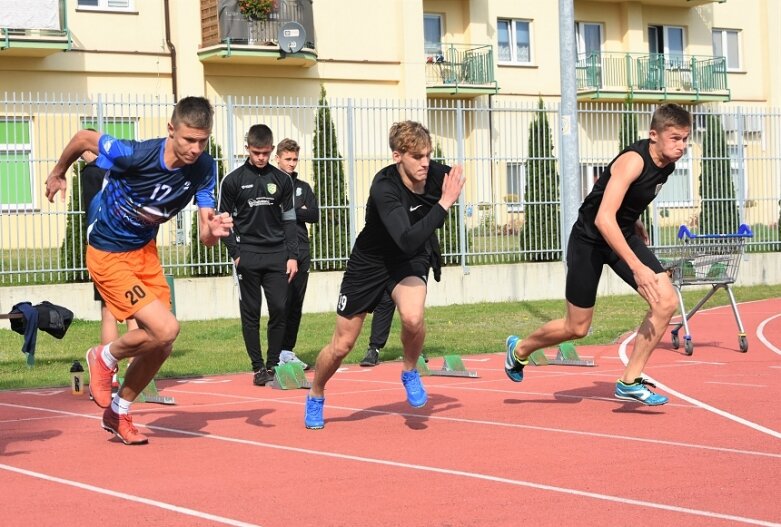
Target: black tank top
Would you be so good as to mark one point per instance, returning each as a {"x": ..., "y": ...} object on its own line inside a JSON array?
[{"x": 639, "y": 194}]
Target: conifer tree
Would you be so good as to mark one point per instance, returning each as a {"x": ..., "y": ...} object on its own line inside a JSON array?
[
  {"x": 718, "y": 209},
  {"x": 331, "y": 235},
  {"x": 540, "y": 235}
]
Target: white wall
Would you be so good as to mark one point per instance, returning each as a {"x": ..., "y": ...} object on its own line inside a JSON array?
[{"x": 487, "y": 283}]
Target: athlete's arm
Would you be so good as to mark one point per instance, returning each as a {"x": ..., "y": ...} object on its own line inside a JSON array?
[
  {"x": 625, "y": 171},
  {"x": 81, "y": 141},
  {"x": 226, "y": 204},
  {"x": 410, "y": 237},
  {"x": 213, "y": 226}
]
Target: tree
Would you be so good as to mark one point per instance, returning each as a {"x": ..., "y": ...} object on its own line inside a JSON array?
[
  {"x": 540, "y": 235},
  {"x": 331, "y": 236},
  {"x": 718, "y": 208},
  {"x": 73, "y": 251},
  {"x": 205, "y": 260}
]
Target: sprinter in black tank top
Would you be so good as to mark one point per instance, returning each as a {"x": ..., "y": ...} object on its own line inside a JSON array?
[{"x": 608, "y": 231}]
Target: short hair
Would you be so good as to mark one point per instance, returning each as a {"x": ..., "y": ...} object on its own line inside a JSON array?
[
  {"x": 260, "y": 136},
  {"x": 409, "y": 136},
  {"x": 287, "y": 145},
  {"x": 195, "y": 112},
  {"x": 670, "y": 114}
]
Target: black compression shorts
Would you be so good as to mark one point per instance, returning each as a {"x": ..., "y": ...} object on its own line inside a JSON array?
[
  {"x": 364, "y": 282},
  {"x": 584, "y": 267}
]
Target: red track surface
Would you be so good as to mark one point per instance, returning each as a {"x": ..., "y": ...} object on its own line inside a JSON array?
[{"x": 556, "y": 449}]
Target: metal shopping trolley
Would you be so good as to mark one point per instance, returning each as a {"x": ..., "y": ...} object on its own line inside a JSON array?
[{"x": 701, "y": 259}]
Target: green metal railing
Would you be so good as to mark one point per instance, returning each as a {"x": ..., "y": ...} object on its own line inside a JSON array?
[
  {"x": 655, "y": 72},
  {"x": 460, "y": 65}
]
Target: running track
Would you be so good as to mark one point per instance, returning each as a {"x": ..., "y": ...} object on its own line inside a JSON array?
[{"x": 556, "y": 449}]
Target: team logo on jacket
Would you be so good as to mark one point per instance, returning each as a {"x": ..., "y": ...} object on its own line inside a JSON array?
[
  {"x": 271, "y": 187},
  {"x": 298, "y": 191}
]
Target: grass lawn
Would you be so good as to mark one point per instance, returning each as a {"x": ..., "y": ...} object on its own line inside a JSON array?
[{"x": 215, "y": 346}]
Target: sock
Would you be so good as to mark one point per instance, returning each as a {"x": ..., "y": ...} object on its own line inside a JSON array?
[
  {"x": 120, "y": 406},
  {"x": 108, "y": 359}
]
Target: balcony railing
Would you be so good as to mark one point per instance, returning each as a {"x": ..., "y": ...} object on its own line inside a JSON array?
[
  {"x": 655, "y": 75},
  {"x": 460, "y": 67},
  {"x": 35, "y": 33},
  {"x": 230, "y": 27}
]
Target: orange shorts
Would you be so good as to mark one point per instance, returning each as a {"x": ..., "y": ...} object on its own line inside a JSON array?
[{"x": 129, "y": 280}]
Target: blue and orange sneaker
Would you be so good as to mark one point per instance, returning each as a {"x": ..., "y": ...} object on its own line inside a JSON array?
[
  {"x": 313, "y": 414},
  {"x": 416, "y": 394},
  {"x": 637, "y": 391},
  {"x": 513, "y": 366}
]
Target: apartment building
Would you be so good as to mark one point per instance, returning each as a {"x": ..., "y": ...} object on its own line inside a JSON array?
[
  {"x": 685, "y": 50},
  {"x": 478, "y": 54}
]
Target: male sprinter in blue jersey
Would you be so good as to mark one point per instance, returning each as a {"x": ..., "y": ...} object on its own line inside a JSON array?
[{"x": 146, "y": 184}]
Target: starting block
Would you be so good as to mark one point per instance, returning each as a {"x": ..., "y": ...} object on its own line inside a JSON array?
[
  {"x": 150, "y": 394},
  {"x": 453, "y": 366},
  {"x": 289, "y": 376},
  {"x": 567, "y": 356}
]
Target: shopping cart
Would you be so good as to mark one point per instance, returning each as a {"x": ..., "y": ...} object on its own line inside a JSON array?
[{"x": 701, "y": 259}]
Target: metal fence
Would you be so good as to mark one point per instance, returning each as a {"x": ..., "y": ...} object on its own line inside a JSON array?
[{"x": 510, "y": 210}]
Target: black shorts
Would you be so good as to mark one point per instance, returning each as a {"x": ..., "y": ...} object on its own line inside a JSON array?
[
  {"x": 95, "y": 294},
  {"x": 584, "y": 267},
  {"x": 365, "y": 281}
]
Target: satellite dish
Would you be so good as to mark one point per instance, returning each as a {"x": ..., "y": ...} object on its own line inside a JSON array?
[{"x": 292, "y": 37}]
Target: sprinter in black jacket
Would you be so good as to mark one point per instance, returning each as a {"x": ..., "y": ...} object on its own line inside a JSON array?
[{"x": 408, "y": 201}]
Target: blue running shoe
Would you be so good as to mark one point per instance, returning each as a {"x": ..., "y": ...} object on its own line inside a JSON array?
[
  {"x": 638, "y": 391},
  {"x": 513, "y": 366},
  {"x": 313, "y": 418},
  {"x": 416, "y": 394}
]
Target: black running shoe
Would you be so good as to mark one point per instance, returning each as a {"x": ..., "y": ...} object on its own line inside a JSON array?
[
  {"x": 262, "y": 377},
  {"x": 372, "y": 358}
]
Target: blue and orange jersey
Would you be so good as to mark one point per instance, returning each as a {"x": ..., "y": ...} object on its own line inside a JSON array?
[{"x": 140, "y": 192}]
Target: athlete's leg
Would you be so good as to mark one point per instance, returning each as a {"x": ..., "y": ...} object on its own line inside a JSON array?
[
  {"x": 331, "y": 356},
  {"x": 409, "y": 295},
  {"x": 652, "y": 328},
  {"x": 275, "y": 286},
  {"x": 574, "y": 325},
  {"x": 249, "y": 308},
  {"x": 382, "y": 318}
]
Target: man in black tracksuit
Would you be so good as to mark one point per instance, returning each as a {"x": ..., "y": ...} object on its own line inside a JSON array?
[
  {"x": 263, "y": 245},
  {"x": 307, "y": 211}
]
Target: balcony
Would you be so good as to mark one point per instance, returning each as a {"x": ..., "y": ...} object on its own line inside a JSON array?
[
  {"x": 666, "y": 3},
  {"x": 33, "y": 30},
  {"x": 460, "y": 70},
  {"x": 229, "y": 38},
  {"x": 651, "y": 77}
]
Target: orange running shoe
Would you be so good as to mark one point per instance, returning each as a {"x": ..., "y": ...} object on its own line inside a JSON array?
[
  {"x": 122, "y": 427},
  {"x": 100, "y": 377}
]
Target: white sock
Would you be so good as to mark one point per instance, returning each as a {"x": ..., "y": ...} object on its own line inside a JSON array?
[
  {"x": 108, "y": 359},
  {"x": 120, "y": 406}
]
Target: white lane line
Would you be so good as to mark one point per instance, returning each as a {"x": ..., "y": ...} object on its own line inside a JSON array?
[
  {"x": 761, "y": 334},
  {"x": 129, "y": 497},
  {"x": 459, "y": 420},
  {"x": 394, "y": 464},
  {"x": 737, "y": 384},
  {"x": 692, "y": 400}
]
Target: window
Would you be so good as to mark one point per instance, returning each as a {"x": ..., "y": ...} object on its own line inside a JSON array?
[
  {"x": 588, "y": 176},
  {"x": 516, "y": 186},
  {"x": 432, "y": 34},
  {"x": 16, "y": 186},
  {"x": 108, "y": 5},
  {"x": 589, "y": 37},
  {"x": 667, "y": 40},
  {"x": 727, "y": 45},
  {"x": 121, "y": 128},
  {"x": 737, "y": 171},
  {"x": 514, "y": 41},
  {"x": 677, "y": 192}
]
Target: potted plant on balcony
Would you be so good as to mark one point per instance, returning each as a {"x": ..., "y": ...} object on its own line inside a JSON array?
[{"x": 256, "y": 10}]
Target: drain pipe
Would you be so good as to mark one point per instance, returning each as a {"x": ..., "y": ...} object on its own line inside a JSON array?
[{"x": 171, "y": 47}]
